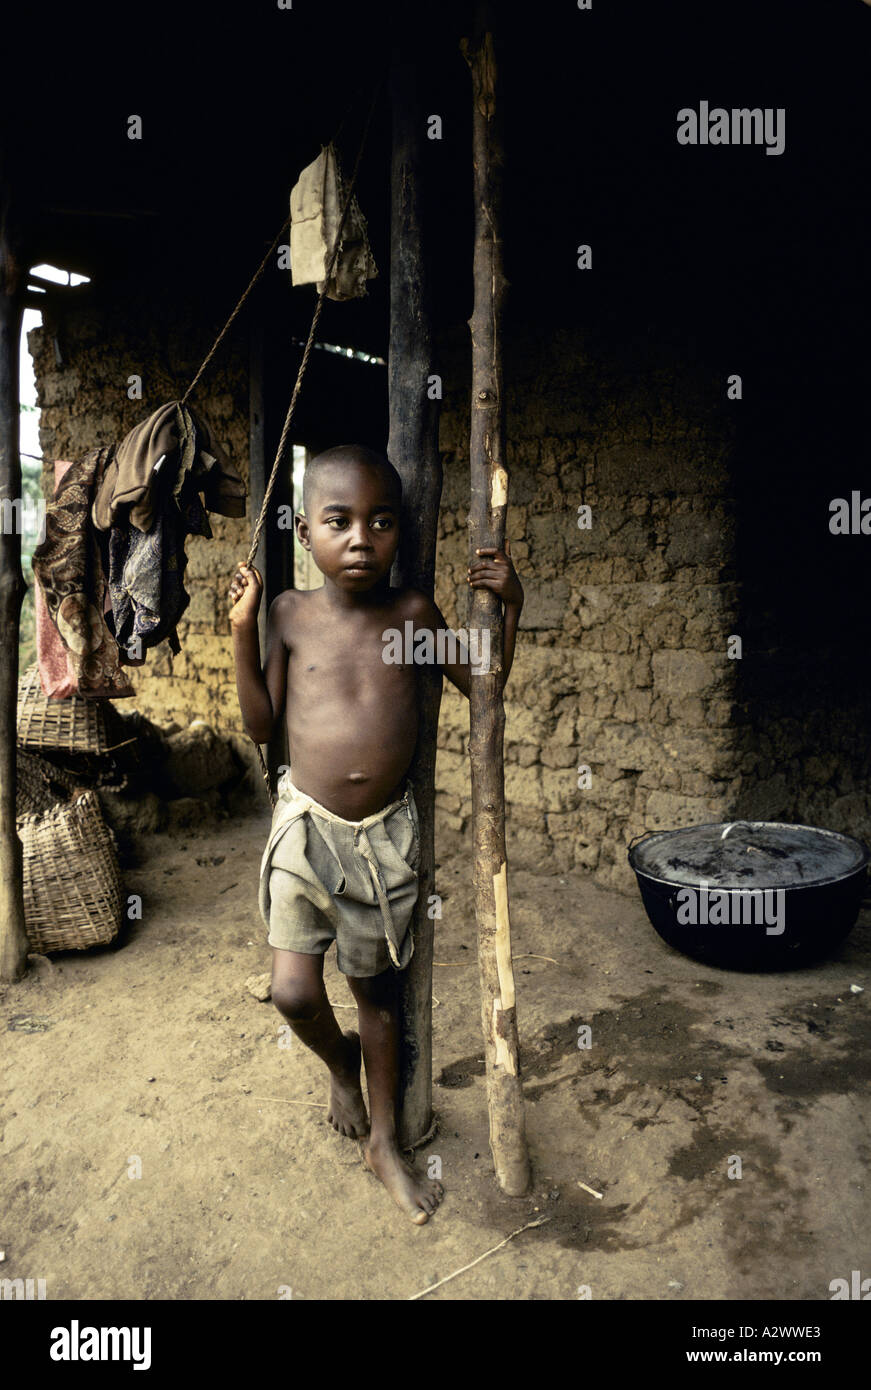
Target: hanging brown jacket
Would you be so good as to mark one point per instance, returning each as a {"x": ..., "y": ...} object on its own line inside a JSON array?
[{"x": 171, "y": 430}]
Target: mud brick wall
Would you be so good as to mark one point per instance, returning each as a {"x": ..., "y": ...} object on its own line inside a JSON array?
[
  {"x": 802, "y": 751},
  {"x": 102, "y": 340},
  {"x": 622, "y": 659}
]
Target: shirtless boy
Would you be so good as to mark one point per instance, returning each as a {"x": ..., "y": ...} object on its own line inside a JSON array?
[{"x": 342, "y": 857}]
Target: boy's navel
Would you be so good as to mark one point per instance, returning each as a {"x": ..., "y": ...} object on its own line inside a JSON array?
[{"x": 357, "y": 777}]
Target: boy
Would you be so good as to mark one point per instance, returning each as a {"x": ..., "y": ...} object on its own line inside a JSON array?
[{"x": 342, "y": 856}]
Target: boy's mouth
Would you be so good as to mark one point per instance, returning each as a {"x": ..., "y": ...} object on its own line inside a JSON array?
[{"x": 363, "y": 566}]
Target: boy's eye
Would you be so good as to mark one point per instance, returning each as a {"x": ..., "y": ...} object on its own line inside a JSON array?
[{"x": 380, "y": 523}]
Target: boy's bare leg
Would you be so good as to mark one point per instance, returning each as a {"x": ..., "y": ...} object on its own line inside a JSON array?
[
  {"x": 299, "y": 995},
  {"x": 377, "y": 1008}
]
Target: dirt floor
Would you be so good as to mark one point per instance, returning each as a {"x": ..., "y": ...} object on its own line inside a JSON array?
[{"x": 152, "y": 1049}]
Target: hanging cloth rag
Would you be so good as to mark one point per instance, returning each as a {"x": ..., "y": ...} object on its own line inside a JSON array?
[
  {"x": 146, "y": 568},
  {"x": 145, "y": 582},
  {"x": 149, "y": 502},
  {"x": 316, "y": 203},
  {"x": 172, "y": 433},
  {"x": 69, "y": 568}
]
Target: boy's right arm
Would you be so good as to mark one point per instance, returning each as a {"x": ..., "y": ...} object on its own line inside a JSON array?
[{"x": 261, "y": 692}]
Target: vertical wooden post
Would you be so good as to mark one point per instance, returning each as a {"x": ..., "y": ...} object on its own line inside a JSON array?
[
  {"x": 257, "y": 443},
  {"x": 258, "y": 397},
  {"x": 413, "y": 450},
  {"x": 13, "y": 942},
  {"x": 489, "y": 504}
]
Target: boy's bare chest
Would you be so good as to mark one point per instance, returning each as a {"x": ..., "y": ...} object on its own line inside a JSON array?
[{"x": 331, "y": 659}]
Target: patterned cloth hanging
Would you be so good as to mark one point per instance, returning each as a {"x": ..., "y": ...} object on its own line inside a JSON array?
[{"x": 69, "y": 568}]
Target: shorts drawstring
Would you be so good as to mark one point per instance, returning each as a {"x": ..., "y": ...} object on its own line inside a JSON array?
[{"x": 364, "y": 849}]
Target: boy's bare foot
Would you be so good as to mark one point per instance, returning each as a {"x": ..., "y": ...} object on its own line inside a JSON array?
[
  {"x": 417, "y": 1197},
  {"x": 347, "y": 1112}
]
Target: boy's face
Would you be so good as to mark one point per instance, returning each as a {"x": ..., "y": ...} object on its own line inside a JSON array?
[{"x": 353, "y": 527}]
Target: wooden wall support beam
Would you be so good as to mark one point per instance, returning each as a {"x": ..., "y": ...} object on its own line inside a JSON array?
[
  {"x": 413, "y": 450},
  {"x": 13, "y": 941}
]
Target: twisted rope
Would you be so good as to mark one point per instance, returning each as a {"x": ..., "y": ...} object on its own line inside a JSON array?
[
  {"x": 285, "y": 433},
  {"x": 337, "y": 246},
  {"x": 227, "y": 326},
  {"x": 256, "y": 276}
]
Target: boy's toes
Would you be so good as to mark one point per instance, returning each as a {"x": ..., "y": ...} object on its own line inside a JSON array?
[
  {"x": 430, "y": 1197},
  {"x": 349, "y": 1127},
  {"x": 347, "y": 1111}
]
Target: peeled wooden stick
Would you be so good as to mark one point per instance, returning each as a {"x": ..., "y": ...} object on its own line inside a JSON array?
[{"x": 489, "y": 503}]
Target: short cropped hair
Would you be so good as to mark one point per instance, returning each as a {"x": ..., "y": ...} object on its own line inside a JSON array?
[{"x": 348, "y": 454}]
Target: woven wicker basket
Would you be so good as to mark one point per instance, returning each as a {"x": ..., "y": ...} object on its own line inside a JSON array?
[
  {"x": 74, "y": 723},
  {"x": 40, "y": 784},
  {"x": 72, "y": 885}
]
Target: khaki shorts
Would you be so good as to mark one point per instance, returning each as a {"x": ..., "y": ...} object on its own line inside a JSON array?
[{"x": 325, "y": 879}]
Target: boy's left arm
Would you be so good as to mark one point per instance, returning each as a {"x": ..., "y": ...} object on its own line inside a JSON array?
[
  {"x": 497, "y": 573},
  {"x": 494, "y": 571}
]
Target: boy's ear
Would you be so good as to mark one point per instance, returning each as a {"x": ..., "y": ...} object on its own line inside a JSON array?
[{"x": 302, "y": 531}]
